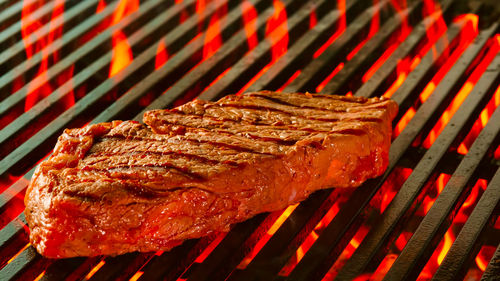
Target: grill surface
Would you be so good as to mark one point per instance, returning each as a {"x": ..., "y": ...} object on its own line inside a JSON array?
[{"x": 433, "y": 214}]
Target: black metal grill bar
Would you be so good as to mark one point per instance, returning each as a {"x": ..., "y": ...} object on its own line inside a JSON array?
[
  {"x": 493, "y": 269},
  {"x": 226, "y": 56},
  {"x": 17, "y": 50},
  {"x": 403, "y": 200},
  {"x": 293, "y": 59},
  {"x": 365, "y": 56},
  {"x": 319, "y": 68},
  {"x": 341, "y": 229},
  {"x": 419, "y": 247},
  {"x": 403, "y": 50},
  {"x": 62, "y": 121},
  {"x": 461, "y": 250}
]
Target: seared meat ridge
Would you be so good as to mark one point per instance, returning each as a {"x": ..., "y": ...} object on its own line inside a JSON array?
[{"x": 118, "y": 187}]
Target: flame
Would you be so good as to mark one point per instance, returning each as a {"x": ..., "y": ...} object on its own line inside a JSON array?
[
  {"x": 347, "y": 253},
  {"x": 136, "y": 276},
  {"x": 34, "y": 45},
  {"x": 469, "y": 32},
  {"x": 341, "y": 26},
  {"x": 404, "y": 121},
  {"x": 310, "y": 239},
  {"x": 433, "y": 31},
  {"x": 100, "y": 6},
  {"x": 481, "y": 122},
  {"x": 374, "y": 27},
  {"x": 484, "y": 256},
  {"x": 402, "y": 70},
  {"x": 39, "y": 276},
  {"x": 122, "y": 53},
  {"x": 213, "y": 39},
  {"x": 270, "y": 232},
  {"x": 277, "y": 34},
  {"x": 461, "y": 95},
  {"x": 123, "y": 9},
  {"x": 383, "y": 267},
  {"x": 208, "y": 249},
  {"x": 394, "y": 41},
  {"x": 329, "y": 77},
  {"x": 448, "y": 240},
  {"x": 277, "y": 31},
  {"x": 250, "y": 23},
  {"x": 295, "y": 75},
  {"x": 402, "y": 240},
  {"x": 94, "y": 270},
  {"x": 161, "y": 55},
  {"x": 18, "y": 253},
  {"x": 313, "y": 18}
]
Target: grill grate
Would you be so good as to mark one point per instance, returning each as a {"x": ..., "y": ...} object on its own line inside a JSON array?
[{"x": 56, "y": 71}]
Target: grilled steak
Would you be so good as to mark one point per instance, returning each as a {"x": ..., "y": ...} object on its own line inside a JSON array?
[{"x": 119, "y": 187}]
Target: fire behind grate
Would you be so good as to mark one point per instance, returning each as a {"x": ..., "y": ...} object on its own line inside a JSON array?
[{"x": 433, "y": 214}]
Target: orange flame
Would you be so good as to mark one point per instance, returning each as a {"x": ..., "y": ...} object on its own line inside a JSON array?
[
  {"x": 461, "y": 95},
  {"x": 394, "y": 41},
  {"x": 277, "y": 34},
  {"x": 122, "y": 53},
  {"x": 484, "y": 256},
  {"x": 341, "y": 26},
  {"x": 100, "y": 6},
  {"x": 313, "y": 18},
  {"x": 277, "y": 30},
  {"x": 213, "y": 39},
  {"x": 94, "y": 270},
  {"x": 374, "y": 27},
  {"x": 28, "y": 26},
  {"x": 469, "y": 32},
  {"x": 329, "y": 77},
  {"x": 250, "y": 23},
  {"x": 448, "y": 240},
  {"x": 404, "y": 121},
  {"x": 161, "y": 55},
  {"x": 274, "y": 227}
]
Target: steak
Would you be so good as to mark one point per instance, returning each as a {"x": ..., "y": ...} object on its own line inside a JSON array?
[{"x": 119, "y": 187}]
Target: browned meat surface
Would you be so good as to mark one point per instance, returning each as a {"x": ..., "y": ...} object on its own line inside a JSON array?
[{"x": 119, "y": 187}]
